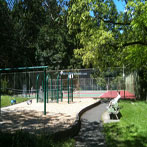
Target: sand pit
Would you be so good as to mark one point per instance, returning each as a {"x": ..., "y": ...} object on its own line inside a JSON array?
[{"x": 30, "y": 117}]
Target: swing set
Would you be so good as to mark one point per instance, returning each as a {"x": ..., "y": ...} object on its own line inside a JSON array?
[
  {"x": 51, "y": 88},
  {"x": 54, "y": 88}
]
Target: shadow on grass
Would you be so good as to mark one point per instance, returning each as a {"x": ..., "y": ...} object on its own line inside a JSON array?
[
  {"x": 25, "y": 139},
  {"x": 125, "y": 136}
]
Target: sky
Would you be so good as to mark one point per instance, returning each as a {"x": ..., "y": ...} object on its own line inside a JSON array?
[{"x": 119, "y": 5}]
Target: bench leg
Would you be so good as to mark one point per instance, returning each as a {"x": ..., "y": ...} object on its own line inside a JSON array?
[{"x": 116, "y": 116}]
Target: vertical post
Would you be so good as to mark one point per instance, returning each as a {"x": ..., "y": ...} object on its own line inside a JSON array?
[
  {"x": 61, "y": 86},
  {"x": 72, "y": 88},
  {"x": 51, "y": 89},
  {"x": 44, "y": 91},
  {"x": 124, "y": 79},
  {"x": 0, "y": 93},
  {"x": 29, "y": 85},
  {"x": 26, "y": 84},
  {"x": 61, "y": 90},
  {"x": 47, "y": 87},
  {"x": 68, "y": 88},
  {"x": 47, "y": 78},
  {"x": 58, "y": 88},
  {"x": 14, "y": 83},
  {"x": 37, "y": 88}
]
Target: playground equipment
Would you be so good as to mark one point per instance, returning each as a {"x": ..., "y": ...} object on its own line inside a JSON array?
[
  {"x": 16, "y": 83},
  {"x": 13, "y": 101},
  {"x": 25, "y": 69},
  {"x": 57, "y": 85},
  {"x": 70, "y": 87},
  {"x": 54, "y": 88},
  {"x": 49, "y": 89}
]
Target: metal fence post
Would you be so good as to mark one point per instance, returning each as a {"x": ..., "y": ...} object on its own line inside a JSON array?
[
  {"x": 58, "y": 88},
  {"x": 51, "y": 89},
  {"x": 0, "y": 94},
  {"x": 68, "y": 87},
  {"x": 37, "y": 88},
  {"x": 72, "y": 88},
  {"x": 47, "y": 78},
  {"x": 44, "y": 91},
  {"x": 61, "y": 90},
  {"x": 47, "y": 87}
]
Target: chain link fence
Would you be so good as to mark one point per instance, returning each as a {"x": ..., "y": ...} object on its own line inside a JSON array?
[{"x": 86, "y": 82}]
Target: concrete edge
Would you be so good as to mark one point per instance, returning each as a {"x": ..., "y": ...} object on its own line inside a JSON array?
[{"x": 74, "y": 129}]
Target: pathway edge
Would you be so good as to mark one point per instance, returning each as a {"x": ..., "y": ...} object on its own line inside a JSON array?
[{"x": 74, "y": 129}]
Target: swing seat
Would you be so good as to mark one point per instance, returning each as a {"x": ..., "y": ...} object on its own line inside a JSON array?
[{"x": 13, "y": 102}]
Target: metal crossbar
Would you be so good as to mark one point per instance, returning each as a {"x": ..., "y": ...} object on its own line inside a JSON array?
[{"x": 23, "y": 68}]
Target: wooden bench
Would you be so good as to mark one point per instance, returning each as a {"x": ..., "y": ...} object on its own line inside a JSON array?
[{"x": 113, "y": 107}]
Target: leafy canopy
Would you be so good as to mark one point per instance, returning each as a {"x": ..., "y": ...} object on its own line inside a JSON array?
[{"x": 109, "y": 37}]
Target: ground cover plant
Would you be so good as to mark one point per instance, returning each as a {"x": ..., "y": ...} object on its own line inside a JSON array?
[
  {"x": 6, "y": 100},
  {"x": 132, "y": 128}
]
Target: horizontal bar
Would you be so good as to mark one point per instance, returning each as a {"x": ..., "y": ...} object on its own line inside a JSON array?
[{"x": 23, "y": 68}]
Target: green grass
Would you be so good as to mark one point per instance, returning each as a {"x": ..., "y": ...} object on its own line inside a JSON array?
[
  {"x": 6, "y": 100},
  {"x": 132, "y": 129},
  {"x": 24, "y": 139}
]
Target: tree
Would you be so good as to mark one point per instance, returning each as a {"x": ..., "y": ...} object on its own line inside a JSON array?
[
  {"x": 6, "y": 35},
  {"x": 110, "y": 38},
  {"x": 28, "y": 17},
  {"x": 54, "y": 44}
]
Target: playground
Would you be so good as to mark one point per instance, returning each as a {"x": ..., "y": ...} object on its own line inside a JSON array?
[
  {"x": 59, "y": 116},
  {"x": 56, "y": 96}
]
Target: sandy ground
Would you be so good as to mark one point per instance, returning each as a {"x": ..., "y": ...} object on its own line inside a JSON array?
[{"x": 30, "y": 117}]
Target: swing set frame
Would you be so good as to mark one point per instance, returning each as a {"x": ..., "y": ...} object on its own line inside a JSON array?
[{"x": 3, "y": 70}]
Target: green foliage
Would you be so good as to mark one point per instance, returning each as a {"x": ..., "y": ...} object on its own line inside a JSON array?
[
  {"x": 4, "y": 84},
  {"x": 111, "y": 78},
  {"x": 110, "y": 38},
  {"x": 103, "y": 42},
  {"x": 94, "y": 35},
  {"x": 28, "y": 17},
  {"x": 132, "y": 128},
  {"x": 54, "y": 44},
  {"x": 6, "y": 35},
  {"x": 36, "y": 33}
]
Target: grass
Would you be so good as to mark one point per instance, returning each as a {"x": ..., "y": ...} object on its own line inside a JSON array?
[
  {"x": 6, "y": 100},
  {"x": 132, "y": 129},
  {"x": 24, "y": 139}
]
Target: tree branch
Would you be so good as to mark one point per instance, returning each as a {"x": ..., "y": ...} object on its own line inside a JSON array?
[
  {"x": 134, "y": 43},
  {"x": 116, "y": 23},
  {"x": 117, "y": 45}
]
